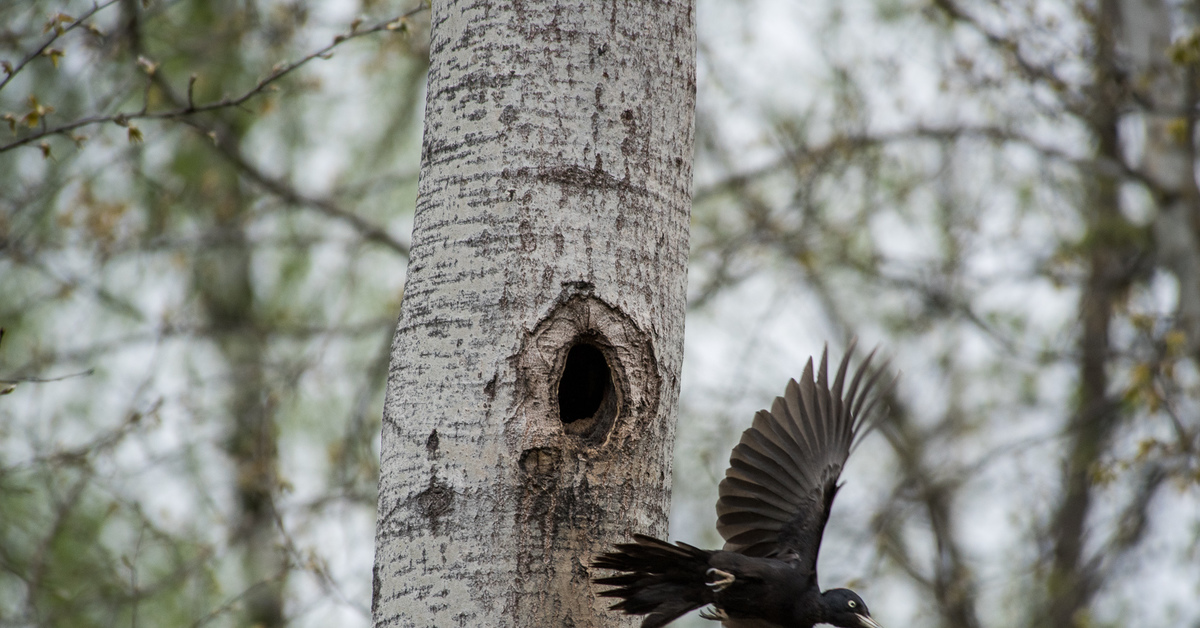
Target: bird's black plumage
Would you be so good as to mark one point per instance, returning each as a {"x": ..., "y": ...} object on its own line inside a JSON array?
[{"x": 773, "y": 506}]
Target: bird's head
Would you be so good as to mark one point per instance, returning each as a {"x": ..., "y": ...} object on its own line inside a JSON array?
[{"x": 843, "y": 607}]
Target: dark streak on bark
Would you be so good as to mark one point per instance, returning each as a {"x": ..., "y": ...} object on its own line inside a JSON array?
[
  {"x": 431, "y": 444},
  {"x": 375, "y": 586},
  {"x": 489, "y": 389},
  {"x": 579, "y": 178}
]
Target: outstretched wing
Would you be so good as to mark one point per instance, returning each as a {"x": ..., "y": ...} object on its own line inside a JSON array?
[{"x": 783, "y": 475}]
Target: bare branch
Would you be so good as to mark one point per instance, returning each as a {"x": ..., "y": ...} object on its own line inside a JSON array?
[
  {"x": 101, "y": 443},
  {"x": 846, "y": 145},
  {"x": 284, "y": 190},
  {"x": 1029, "y": 70},
  {"x": 58, "y": 31},
  {"x": 951, "y": 583},
  {"x": 44, "y": 380},
  {"x": 189, "y": 109}
]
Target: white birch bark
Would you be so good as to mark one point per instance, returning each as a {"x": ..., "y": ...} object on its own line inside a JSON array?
[{"x": 553, "y": 212}]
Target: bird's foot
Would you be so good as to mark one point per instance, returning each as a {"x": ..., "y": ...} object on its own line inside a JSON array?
[
  {"x": 713, "y": 613},
  {"x": 718, "y": 580}
]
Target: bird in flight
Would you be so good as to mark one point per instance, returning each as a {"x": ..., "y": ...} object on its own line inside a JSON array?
[{"x": 773, "y": 505}]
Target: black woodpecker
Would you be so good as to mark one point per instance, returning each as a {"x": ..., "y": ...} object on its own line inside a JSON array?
[{"x": 773, "y": 505}]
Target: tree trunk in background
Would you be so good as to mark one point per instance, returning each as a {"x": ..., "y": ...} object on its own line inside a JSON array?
[
  {"x": 222, "y": 277},
  {"x": 1113, "y": 250},
  {"x": 1169, "y": 157},
  {"x": 1072, "y": 579},
  {"x": 529, "y": 417}
]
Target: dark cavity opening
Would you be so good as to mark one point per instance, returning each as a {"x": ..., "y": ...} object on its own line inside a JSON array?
[{"x": 586, "y": 384}]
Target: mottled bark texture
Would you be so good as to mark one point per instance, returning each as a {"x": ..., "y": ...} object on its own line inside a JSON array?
[{"x": 535, "y": 372}]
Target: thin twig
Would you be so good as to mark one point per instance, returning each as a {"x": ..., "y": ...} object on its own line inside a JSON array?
[
  {"x": 43, "y": 380},
  {"x": 289, "y": 194},
  {"x": 1031, "y": 71},
  {"x": 232, "y": 602},
  {"x": 838, "y": 145},
  {"x": 58, "y": 32},
  {"x": 191, "y": 108}
]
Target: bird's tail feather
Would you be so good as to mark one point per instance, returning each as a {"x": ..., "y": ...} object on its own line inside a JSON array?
[{"x": 660, "y": 580}]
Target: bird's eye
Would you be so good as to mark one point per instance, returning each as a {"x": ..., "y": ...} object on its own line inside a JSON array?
[{"x": 852, "y": 603}]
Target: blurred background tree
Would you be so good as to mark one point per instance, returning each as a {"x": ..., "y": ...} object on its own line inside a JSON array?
[
  {"x": 203, "y": 222},
  {"x": 1001, "y": 193}
]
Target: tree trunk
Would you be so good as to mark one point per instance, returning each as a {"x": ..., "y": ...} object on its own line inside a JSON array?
[
  {"x": 529, "y": 417},
  {"x": 1113, "y": 247},
  {"x": 1169, "y": 156},
  {"x": 222, "y": 278}
]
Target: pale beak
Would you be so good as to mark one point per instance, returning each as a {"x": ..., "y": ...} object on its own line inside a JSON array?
[{"x": 867, "y": 622}]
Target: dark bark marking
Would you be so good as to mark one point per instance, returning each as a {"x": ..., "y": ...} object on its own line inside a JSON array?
[
  {"x": 431, "y": 444},
  {"x": 588, "y": 179},
  {"x": 539, "y": 461},
  {"x": 633, "y": 141},
  {"x": 528, "y": 239},
  {"x": 376, "y": 585},
  {"x": 489, "y": 388},
  {"x": 476, "y": 84},
  {"x": 578, "y": 177},
  {"x": 579, "y": 286},
  {"x": 435, "y": 501},
  {"x": 509, "y": 115}
]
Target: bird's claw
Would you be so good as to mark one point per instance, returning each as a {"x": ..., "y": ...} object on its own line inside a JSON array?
[
  {"x": 718, "y": 580},
  {"x": 713, "y": 613}
]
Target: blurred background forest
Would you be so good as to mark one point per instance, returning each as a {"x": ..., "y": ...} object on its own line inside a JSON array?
[{"x": 205, "y": 208}]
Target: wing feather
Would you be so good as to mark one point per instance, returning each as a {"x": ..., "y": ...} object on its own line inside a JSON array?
[
  {"x": 748, "y": 490},
  {"x": 763, "y": 455},
  {"x": 737, "y": 506},
  {"x": 783, "y": 474},
  {"x": 756, "y": 480},
  {"x": 808, "y": 395},
  {"x": 786, "y": 448}
]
